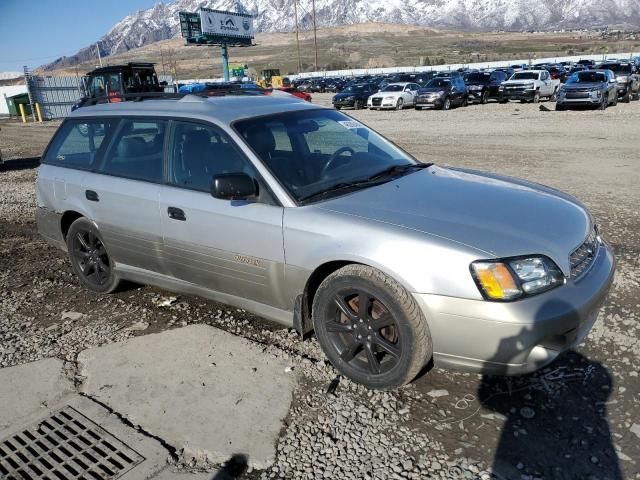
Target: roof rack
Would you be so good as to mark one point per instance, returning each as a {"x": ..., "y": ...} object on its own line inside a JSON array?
[{"x": 139, "y": 97}]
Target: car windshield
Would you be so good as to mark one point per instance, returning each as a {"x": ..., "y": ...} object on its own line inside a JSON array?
[
  {"x": 587, "y": 77},
  {"x": 525, "y": 76},
  {"x": 616, "y": 67},
  {"x": 315, "y": 151},
  {"x": 393, "y": 88},
  {"x": 478, "y": 77},
  {"x": 438, "y": 83},
  {"x": 354, "y": 88}
]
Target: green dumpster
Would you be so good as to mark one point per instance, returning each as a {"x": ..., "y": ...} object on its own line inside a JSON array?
[{"x": 15, "y": 100}]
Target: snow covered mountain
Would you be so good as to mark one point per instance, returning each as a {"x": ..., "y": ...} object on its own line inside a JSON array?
[{"x": 161, "y": 21}]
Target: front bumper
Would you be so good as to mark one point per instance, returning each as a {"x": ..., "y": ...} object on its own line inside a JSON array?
[
  {"x": 584, "y": 101},
  {"x": 429, "y": 102},
  {"x": 474, "y": 96},
  {"x": 384, "y": 104},
  {"x": 517, "y": 94},
  {"x": 622, "y": 89},
  {"x": 511, "y": 338},
  {"x": 344, "y": 103}
]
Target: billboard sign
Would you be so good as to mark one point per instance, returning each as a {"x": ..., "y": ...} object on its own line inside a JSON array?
[{"x": 226, "y": 24}]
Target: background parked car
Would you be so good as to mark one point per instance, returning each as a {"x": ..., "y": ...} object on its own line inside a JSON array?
[
  {"x": 588, "y": 88},
  {"x": 442, "y": 93},
  {"x": 482, "y": 86},
  {"x": 627, "y": 78},
  {"x": 354, "y": 96},
  {"x": 394, "y": 95},
  {"x": 296, "y": 93},
  {"x": 529, "y": 86}
]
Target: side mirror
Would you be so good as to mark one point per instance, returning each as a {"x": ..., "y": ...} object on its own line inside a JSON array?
[{"x": 233, "y": 186}]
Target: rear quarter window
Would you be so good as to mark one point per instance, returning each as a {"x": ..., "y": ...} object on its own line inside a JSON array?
[{"x": 79, "y": 143}]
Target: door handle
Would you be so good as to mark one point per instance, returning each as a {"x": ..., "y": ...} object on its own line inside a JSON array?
[
  {"x": 176, "y": 213},
  {"x": 91, "y": 196}
]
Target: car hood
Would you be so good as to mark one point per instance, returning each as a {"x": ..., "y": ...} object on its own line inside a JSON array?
[
  {"x": 583, "y": 86},
  {"x": 498, "y": 216},
  {"x": 509, "y": 82},
  {"x": 341, "y": 95}
]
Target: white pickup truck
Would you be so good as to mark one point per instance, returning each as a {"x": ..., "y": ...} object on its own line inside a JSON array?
[{"x": 528, "y": 86}]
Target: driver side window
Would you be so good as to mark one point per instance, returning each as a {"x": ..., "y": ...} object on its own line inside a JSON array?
[{"x": 199, "y": 152}]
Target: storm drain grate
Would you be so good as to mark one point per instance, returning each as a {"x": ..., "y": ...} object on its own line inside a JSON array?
[{"x": 65, "y": 446}]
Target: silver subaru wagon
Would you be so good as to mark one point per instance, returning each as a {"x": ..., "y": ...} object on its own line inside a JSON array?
[{"x": 306, "y": 217}]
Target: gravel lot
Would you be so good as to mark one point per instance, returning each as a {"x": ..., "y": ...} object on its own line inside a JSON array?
[{"x": 578, "y": 418}]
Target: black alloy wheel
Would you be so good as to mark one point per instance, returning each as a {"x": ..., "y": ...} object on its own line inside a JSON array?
[
  {"x": 364, "y": 332},
  {"x": 370, "y": 327},
  {"x": 89, "y": 257}
]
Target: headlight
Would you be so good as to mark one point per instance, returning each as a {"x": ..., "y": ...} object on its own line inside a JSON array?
[
  {"x": 622, "y": 79},
  {"x": 441, "y": 92},
  {"x": 351, "y": 97},
  {"x": 501, "y": 88},
  {"x": 389, "y": 98},
  {"x": 510, "y": 279},
  {"x": 530, "y": 86}
]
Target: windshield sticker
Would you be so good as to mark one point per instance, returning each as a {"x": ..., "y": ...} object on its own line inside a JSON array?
[{"x": 350, "y": 124}]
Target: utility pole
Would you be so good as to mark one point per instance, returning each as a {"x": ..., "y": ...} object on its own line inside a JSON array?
[
  {"x": 98, "y": 48},
  {"x": 295, "y": 10},
  {"x": 315, "y": 38}
]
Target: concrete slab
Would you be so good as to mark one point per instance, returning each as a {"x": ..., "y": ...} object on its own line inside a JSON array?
[
  {"x": 31, "y": 392},
  {"x": 31, "y": 389},
  {"x": 171, "y": 474},
  {"x": 205, "y": 392}
]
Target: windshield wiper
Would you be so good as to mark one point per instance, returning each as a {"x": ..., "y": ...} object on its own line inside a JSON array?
[
  {"x": 398, "y": 169},
  {"x": 375, "y": 179},
  {"x": 338, "y": 187}
]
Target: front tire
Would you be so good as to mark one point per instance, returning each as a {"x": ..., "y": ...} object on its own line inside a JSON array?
[
  {"x": 89, "y": 257},
  {"x": 399, "y": 104},
  {"x": 357, "y": 105},
  {"x": 382, "y": 345},
  {"x": 446, "y": 105},
  {"x": 485, "y": 98},
  {"x": 536, "y": 97}
]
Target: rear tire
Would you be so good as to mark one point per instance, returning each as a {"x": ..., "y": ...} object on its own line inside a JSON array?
[
  {"x": 382, "y": 346},
  {"x": 89, "y": 257}
]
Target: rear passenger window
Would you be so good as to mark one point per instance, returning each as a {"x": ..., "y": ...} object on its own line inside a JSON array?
[
  {"x": 201, "y": 151},
  {"x": 137, "y": 151},
  {"x": 78, "y": 143}
]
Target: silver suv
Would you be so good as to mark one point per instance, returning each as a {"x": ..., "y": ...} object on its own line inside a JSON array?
[{"x": 306, "y": 217}]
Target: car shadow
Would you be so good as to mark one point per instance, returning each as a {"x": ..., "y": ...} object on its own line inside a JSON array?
[
  {"x": 26, "y": 163},
  {"x": 555, "y": 420},
  {"x": 234, "y": 468}
]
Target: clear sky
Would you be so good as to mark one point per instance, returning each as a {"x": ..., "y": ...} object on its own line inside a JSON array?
[{"x": 33, "y": 32}]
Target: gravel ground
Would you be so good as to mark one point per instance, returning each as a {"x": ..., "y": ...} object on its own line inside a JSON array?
[{"x": 578, "y": 418}]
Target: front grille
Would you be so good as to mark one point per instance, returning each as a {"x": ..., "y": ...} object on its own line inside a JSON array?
[
  {"x": 376, "y": 102},
  {"x": 582, "y": 257},
  {"x": 578, "y": 94},
  {"x": 65, "y": 446},
  {"x": 516, "y": 87}
]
